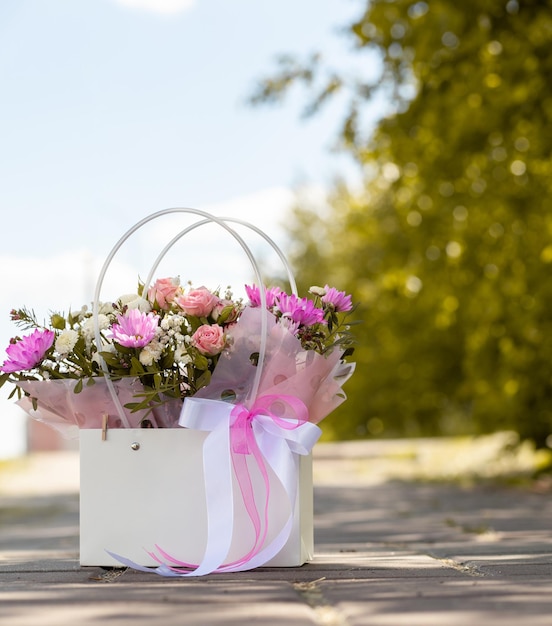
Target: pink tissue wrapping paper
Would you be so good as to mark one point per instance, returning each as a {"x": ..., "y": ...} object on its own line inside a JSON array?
[
  {"x": 66, "y": 411},
  {"x": 288, "y": 369}
]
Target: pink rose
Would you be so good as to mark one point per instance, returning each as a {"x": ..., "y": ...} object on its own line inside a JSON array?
[
  {"x": 230, "y": 316},
  {"x": 209, "y": 339},
  {"x": 199, "y": 302},
  {"x": 163, "y": 291}
]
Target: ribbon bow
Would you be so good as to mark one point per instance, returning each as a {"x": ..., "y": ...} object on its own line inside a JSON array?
[{"x": 271, "y": 433}]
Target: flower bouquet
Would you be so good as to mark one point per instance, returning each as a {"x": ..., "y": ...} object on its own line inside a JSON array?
[{"x": 257, "y": 373}]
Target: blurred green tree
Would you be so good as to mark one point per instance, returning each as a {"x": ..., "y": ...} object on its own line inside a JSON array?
[{"x": 447, "y": 244}]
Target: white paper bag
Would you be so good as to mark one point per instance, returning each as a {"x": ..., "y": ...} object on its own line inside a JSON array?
[{"x": 142, "y": 488}]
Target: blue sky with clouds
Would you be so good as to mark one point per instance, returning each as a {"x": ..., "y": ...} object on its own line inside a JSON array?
[{"x": 114, "y": 109}]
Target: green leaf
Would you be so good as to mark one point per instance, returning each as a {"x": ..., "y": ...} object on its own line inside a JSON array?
[
  {"x": 203, "y": 380},
  {"x": 200, "y": 361},
  {"x": 225, "y": 314},
  {"x": 136, "y": 368},
  {"x": 111, "y": 359}
]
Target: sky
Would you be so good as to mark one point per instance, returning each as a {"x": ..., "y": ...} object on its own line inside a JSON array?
[{"x": 112, "y": 110}]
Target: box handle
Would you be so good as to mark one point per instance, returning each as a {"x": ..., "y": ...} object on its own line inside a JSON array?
[{"x": 207, "y": 219}]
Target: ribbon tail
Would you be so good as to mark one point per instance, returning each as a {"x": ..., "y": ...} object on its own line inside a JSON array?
[
  {"x": 128, "y": 563},
  {"x": 285, "y": 467},
  {"x": 220, "y": 500},
  {"x": 162, "y": 570}
]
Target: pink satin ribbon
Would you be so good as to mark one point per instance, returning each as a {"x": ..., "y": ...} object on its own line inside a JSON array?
[{"x": 237, "y": 433}]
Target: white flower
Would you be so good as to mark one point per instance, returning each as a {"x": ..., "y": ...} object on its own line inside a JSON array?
[
  {"x": 317, "y": 291},
  {"x": 87, "y": 327},
  {"x": 134, "y": 301},
  {"x": 103, "y": 321},
  {"x": 105, "y": 308},
  {"x": 150, "y": 353},
  {"x": 81, "y": 314},
  {"x": 66, "y": 341}
]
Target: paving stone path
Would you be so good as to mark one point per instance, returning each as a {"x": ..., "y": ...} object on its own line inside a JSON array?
[{"x": 388, "y": 552}]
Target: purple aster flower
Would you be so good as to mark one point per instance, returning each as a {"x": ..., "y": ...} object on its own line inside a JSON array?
[
  {"x": 338, "y": 300},
  {"x": 135, "y": 329},
  {"x": 254, "y": 295},
  {"x": 300, "y": 310},
  {"x": 28, "y": 351}
]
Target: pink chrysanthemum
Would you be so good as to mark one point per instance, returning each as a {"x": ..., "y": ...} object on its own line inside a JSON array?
[
  {"x": 254, "y": 295},
  {"x": 300, "y": 310},
  {"x": 135, "y": 329},
  {"x": 339, "y": 300},
  {"x": 28, "y": 351}
]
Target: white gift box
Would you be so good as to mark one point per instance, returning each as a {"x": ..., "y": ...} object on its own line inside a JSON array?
[
  {"x": 149, "y": 494},
  {"x": 142, "y": 488}
]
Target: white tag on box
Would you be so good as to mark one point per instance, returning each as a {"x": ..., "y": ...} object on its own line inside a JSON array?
[{"x": 142, "y": 488}]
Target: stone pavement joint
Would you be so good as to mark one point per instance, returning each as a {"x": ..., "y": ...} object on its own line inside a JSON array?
[
  {"x": 311, "y": 593},
  {"x": 467, "y": 568}
]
